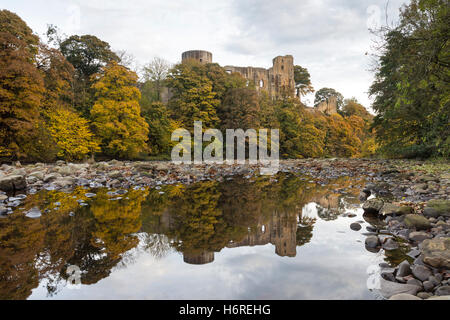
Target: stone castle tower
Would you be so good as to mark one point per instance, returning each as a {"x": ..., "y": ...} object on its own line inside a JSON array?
[{"x": 201, "y": 56}]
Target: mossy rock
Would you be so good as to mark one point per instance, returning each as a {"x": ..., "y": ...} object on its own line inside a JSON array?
[
  {"x": 417, "y": 221},
  {"x": 436, "y": 208}
]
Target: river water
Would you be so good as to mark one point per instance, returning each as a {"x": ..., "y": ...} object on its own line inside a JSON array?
[{"x": 284, "y": 237}]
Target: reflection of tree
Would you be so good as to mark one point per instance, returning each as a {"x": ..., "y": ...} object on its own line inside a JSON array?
[
  {"x": 305, "y": 230},
  {"x": 20, "y": 239},
  {"x": 157, "y": 245}
]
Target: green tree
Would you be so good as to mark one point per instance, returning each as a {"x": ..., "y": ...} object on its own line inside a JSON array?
[
  {"x": 302, "y": 81},
  {"x": 326, "y": 93},
  {"x": 193, "y": 96},
  {"x": 411, "y": 87},
  {"x": 116, "y": 114},
  {"x": 89, "y": 55}
]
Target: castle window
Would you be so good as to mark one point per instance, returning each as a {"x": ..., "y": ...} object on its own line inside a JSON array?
[
  {"x": 229, "y": 71},
  {"x": 282, "y": 67},
  {"x": 261, "y": 83}
]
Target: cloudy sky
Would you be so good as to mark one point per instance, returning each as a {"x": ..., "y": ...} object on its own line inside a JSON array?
[{"x": 329, "y": 37}]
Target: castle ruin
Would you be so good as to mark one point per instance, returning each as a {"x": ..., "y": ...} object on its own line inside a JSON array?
[{"x": 277, "y": 81}]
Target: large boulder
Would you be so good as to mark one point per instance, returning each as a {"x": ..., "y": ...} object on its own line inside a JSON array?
[
  {"x": 436, "y": 208},
  {"x": 13, "y": 183},
  {"x": 373, "y": 205},
  {"x": 417, "y": 221},
  {"x": 436, "y": 252},
  {"x": 390, "y": 209},
  {"x": 389, "y": 288}
]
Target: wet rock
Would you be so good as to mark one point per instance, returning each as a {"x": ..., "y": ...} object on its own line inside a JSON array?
[
  {"x": 404, "y": 269},
  {"x": 373, "y": 205},
  {"x": 390, "y": 244},
  {"x": 372, "y": 242},
  {"x": 417, "y": 221},
  {"x": 355, "y": 226},
  {"x": 443, "y": 291},
  {"x": 404, "y": 296},
  {"x": 436, "y": 252},
  {"x": 421, "y": 272},
  {"x": 389, "y": 288},
  {"x": 419, "y": 236}
]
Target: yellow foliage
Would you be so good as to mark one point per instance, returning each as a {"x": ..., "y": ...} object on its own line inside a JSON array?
[
  {"x": 72, "y": 135},
  {"x": 116, "y": 115}
]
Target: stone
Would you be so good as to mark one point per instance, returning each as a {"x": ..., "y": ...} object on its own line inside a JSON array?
[
  {"x": 404, "y": 296},
  {"x": 436, "y": 252},
  {"x": 115, "y": 174},
  {"x": 428, "y": 286},
  {"x": 51, "y": 177},
  {"x": 424, "y": 295},
  {"x": 443, "y": 291},
  {"x": 390, "y": 209},
  {"x": 404, "y": 269},
  {"x": 436, "y": 208},
  {"x": 37, "y": 174},
  {"x": 419, "y": 236},
  {"x": 416, "y": 221},
  {"x": 421, "y": 272},
  {"x": 372, "y": 242},
  {"x": 390, "y": 244},
  {"x": 434, "y": 280},
  {"x": 414, "y": 282},
  {"x": 373, "y": 205},
  {"x": 13, "y": 183},
  {"x": 355, "y": 226},
  {"x": 389, "y": 288},
  {"x": 439, "y": 298}
]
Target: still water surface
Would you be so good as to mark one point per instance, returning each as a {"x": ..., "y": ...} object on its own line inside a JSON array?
[{"x": 263, "y": 238}]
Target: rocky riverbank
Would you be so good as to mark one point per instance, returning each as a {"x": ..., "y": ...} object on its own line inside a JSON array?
[{"x": 407, "y": 204}]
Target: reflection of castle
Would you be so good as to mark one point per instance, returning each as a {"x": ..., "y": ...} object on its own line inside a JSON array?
[
  {"x": 204, "y": 257},
  {"x": 281, "y": 231}
]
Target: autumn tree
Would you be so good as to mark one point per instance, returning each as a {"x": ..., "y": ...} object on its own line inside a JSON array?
[
  {"x": 11, "y": 23},
  {"x": 193, "y": 96},
  {"x": 240, "y": 109},
  {"x": 21, "y": 89},
  {"x": 116, "y": 114}
]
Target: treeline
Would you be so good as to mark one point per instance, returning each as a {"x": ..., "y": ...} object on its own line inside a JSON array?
[
  {"x": 412, "y": 85},
  {"x": 72, "y": 98}
]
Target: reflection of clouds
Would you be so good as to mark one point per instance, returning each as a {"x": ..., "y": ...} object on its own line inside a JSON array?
[{"x": 332, "y": 266}]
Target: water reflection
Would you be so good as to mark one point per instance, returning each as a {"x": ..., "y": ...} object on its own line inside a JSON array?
[{"x": 97, "y": 229}]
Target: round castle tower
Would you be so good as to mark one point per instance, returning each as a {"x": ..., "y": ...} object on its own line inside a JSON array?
[{"x": 198, "y": 55}]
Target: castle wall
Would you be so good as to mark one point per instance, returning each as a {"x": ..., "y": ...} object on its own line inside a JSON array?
[
  {"x": 276, "y": 81},
  {"x": 328, "y": 106}
]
